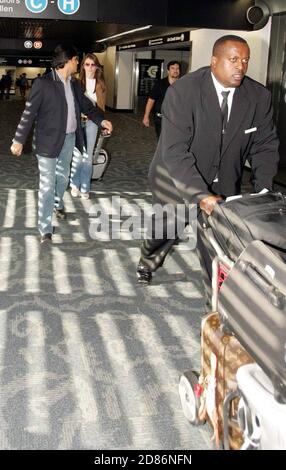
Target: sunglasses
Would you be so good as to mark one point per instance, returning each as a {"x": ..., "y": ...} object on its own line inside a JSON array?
[{"x": 87, "y": 64}]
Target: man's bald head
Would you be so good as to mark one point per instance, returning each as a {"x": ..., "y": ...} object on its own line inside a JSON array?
[{"x": 220, "y": 43}]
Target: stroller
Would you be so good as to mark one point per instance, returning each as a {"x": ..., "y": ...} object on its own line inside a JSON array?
[{"x": 248, "y": 322}]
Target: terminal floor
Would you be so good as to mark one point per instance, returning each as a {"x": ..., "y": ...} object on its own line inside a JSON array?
[{"x": 88, "y": 358}]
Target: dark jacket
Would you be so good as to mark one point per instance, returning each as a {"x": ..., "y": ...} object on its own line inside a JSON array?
[
  {"x": 188, "y": 155},
  {"x": 158, "y": 93},
  {"x": 47, "y": 106}
]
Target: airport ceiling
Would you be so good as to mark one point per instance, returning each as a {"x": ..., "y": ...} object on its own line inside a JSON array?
[
  {"x": 111, "y": 17},
  {"x": 83, "y": 34},
  {"x": 118, "y": 16}
]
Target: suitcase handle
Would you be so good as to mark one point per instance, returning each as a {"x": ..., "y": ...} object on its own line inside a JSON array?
[
  {"x": 102, "y": 155},
  {"x": 275, "y": 296},
  {"x": 205, "y": 219},
  {"x": 98, "y": 147},
  {"x": 104, "y": 136},
  {"x": 101, "y": 139}
]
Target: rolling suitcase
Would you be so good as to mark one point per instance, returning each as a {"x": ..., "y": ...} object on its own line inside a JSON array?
[
  {"x": 100, "y": 158},
  {"x": 206, "y": 396},
  {"x": 261, "y": 418},
  {"x": 252, "y": 305},
  {"x": 237, "y": 222}
]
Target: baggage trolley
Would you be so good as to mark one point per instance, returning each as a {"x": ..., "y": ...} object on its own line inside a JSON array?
[{"x": 214, "y": 394}]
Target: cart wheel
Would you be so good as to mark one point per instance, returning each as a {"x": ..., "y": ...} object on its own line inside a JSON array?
[{"x": 189, "y": 401}]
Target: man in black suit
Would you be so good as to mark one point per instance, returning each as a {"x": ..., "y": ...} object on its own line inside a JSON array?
[
  {"x": 206, "y": 138},
  {"x": 56, "y": 102}
]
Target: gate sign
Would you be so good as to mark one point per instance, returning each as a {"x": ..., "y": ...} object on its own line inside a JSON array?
[
  {"x": 36, "y": 6},
  {"x": 68, "y": 7},
  {"x": 80, "y": 10}
]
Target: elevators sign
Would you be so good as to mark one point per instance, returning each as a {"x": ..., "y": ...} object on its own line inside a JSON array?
[
  {"x": 85, "y": 10},
  {"x": 158, "y": 41},
  {"x": 150, "y": 70}
]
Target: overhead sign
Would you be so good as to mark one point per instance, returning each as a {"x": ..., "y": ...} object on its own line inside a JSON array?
[
  {"x": 38, "y": 44},
  {"x": 28, "y": 44},
  {"x": 82, "y": 10},
  {"x": 171, "y": 39},
  {"x": 25, "y": 61}
]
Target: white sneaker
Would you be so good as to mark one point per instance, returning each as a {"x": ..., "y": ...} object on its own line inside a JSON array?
[
  {"x": 84, "y": 195},
  {"x": 74, "y": 192}
]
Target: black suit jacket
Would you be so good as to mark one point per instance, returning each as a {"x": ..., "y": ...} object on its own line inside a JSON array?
[
  {"x": 47, "y": 106},
  {"x": 189, "y": 155}
]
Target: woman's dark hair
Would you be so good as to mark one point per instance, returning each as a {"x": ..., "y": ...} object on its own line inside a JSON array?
[
  {"x": 98, "y": 75},
  {"x": 62, "y": 54}
]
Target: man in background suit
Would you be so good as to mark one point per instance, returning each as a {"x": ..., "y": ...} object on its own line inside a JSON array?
[
  {"x": 203, "y": 148},
  {"x": 157, "y": 95}
]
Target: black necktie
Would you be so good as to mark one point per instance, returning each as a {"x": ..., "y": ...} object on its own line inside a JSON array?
[{"x": 224, "y": 110}]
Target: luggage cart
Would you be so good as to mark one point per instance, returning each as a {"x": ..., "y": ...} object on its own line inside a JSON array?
[
  {"x": 193, "y": 385},
  {"x": 198, "y": 391},
  {"x": 238, "y": 254}
]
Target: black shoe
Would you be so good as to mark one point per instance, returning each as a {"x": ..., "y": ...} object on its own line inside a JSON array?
[
  {"x": 144, "y": 275},
  {"x": 60, "y": 214},
  {"x": 46, "y": 238}
]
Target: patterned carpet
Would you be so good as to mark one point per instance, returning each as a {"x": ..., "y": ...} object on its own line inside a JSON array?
[{"x": 88, "y": 358}]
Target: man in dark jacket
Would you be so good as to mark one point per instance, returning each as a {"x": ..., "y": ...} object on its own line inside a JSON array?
[
  {"x": 55, "y": 102},
  {"x": 157, "y": 95},
  {"x": 213, "y": 120}
]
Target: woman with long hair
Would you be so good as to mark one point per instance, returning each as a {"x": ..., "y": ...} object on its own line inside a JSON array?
[{"x": 92, "y": 80}]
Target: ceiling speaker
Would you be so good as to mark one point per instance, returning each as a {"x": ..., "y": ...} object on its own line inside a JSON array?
[{"x": 258, "y": 14}]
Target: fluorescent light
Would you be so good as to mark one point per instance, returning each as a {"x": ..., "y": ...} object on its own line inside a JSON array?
[{"x": 126, "y": 32}]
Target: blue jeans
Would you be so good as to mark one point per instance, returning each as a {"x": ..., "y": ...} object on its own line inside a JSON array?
[
  {"x": 82, "y": 162},
  {"x": 54, "y": 178}
]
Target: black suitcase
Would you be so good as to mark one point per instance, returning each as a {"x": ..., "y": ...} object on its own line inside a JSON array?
[
  {"x": 252, "y": 305},
  {"x": 238, "y": 222}
]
